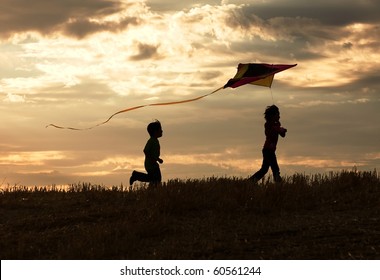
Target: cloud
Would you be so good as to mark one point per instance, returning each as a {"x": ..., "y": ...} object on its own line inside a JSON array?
[
  {"x": 14, "y": 98},
  {"x": 170, "y": 5},
  {"x": 80, "y": 28},
  {"x": 145, "y": 51},
  {"x": 74, "y": 18},
  {"x": 333, "y": 13},
  {"x": 35, "y": 158},
  {"x": 322, "y": 162}
]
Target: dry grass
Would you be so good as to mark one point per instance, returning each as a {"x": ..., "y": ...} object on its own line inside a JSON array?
[{"x": 333, "y": 216}]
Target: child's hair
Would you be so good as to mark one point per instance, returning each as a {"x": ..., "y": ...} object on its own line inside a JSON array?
[
  {"x": 271, "y": 111},
  {"x": 153, "y": 127}
]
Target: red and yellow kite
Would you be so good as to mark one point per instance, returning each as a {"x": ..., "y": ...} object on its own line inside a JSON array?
[{"x": 259, "y": 74}]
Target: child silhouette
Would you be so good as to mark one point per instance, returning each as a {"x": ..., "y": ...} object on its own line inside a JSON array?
[
  {"x": 152, "y": 157},
  {"x": 272, "y": 130}
]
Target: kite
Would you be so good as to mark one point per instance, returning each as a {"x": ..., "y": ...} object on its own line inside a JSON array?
[{"x": 259, "y": 74}]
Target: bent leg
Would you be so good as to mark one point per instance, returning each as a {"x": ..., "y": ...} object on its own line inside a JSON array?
[{"x": 139, "y": 176}]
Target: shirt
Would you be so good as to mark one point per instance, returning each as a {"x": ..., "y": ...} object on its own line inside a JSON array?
[
  {"x": 272, "y": 130},
  {"x": 152, "y": 153}
]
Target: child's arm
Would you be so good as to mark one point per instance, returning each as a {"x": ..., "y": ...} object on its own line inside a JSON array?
[
  {"x": 282, "y": 131},
  {"x": 154, "y": 159}
]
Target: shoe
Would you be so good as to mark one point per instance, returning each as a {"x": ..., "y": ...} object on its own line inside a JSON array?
[
  {"x": 277, "y": 179},
  {"x": 253, "y": 180},
  {"x": 132, "y": 179}
]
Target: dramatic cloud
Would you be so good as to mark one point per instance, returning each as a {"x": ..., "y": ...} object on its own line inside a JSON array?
[
  {"x": 75, "y": 18},
  {"x": 330, "y": 13},
  {"x": 81, "y": 28}
]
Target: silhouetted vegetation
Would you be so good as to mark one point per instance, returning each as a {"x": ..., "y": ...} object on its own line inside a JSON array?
[{"x": 324, "y": 216}]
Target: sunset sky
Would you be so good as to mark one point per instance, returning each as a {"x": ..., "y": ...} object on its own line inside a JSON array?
[{"x": 74, "y": 63}]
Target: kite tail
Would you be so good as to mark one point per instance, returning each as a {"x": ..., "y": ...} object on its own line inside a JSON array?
[{"x": 135, "y": 108}]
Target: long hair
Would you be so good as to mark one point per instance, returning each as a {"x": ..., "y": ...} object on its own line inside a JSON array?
[{"x": 271, "y": 111}]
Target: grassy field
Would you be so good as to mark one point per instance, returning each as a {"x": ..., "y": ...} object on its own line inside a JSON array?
[{"x": 331, "y": 216}]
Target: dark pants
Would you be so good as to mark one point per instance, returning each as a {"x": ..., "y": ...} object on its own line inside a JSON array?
[
  {"x": 269, "y": 160},
  {"x": 153, "y": 176}
]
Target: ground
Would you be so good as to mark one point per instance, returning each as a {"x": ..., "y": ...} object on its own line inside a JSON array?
[{"x": 325, "y": 217}]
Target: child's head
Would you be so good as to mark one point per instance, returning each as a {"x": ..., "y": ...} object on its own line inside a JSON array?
[
  {"x": 272, "y": 113},
  {"x": 155, "y": 129}
]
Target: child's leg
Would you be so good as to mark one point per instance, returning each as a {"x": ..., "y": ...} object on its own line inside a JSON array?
[
  {"x": 275, "y": 168},
  {"x": 139, "y": 176},
  {"x": 155, "y": 176},
  {"x": 264, "y": 167}
]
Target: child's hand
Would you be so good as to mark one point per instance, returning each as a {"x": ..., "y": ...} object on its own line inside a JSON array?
[
  {"x": 160, "y": 161},
  {"x": 283, "y": 132}
]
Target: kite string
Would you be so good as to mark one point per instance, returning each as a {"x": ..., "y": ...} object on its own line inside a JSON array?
[
  {"x": 271, "y": 93},
  {"x": 135, "y": 108}
]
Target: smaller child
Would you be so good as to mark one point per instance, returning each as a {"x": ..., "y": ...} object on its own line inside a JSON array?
[
  {"x": 152, "y": 157},
  {"x": 272, "y": 130}
]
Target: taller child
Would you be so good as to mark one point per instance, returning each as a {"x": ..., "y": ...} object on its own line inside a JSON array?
[
  {"x": 152, "y": 157},
  {"x": 272, "y": 130}
]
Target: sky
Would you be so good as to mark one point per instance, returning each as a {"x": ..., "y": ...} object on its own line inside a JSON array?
[{"x": 75, "y": 63}]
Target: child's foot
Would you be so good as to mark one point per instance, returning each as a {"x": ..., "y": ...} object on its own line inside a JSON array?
[
  {"x": 277, "y": 178},
  {"x": 253, "y": 180},
  {"x": 133, "y": 178}
]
